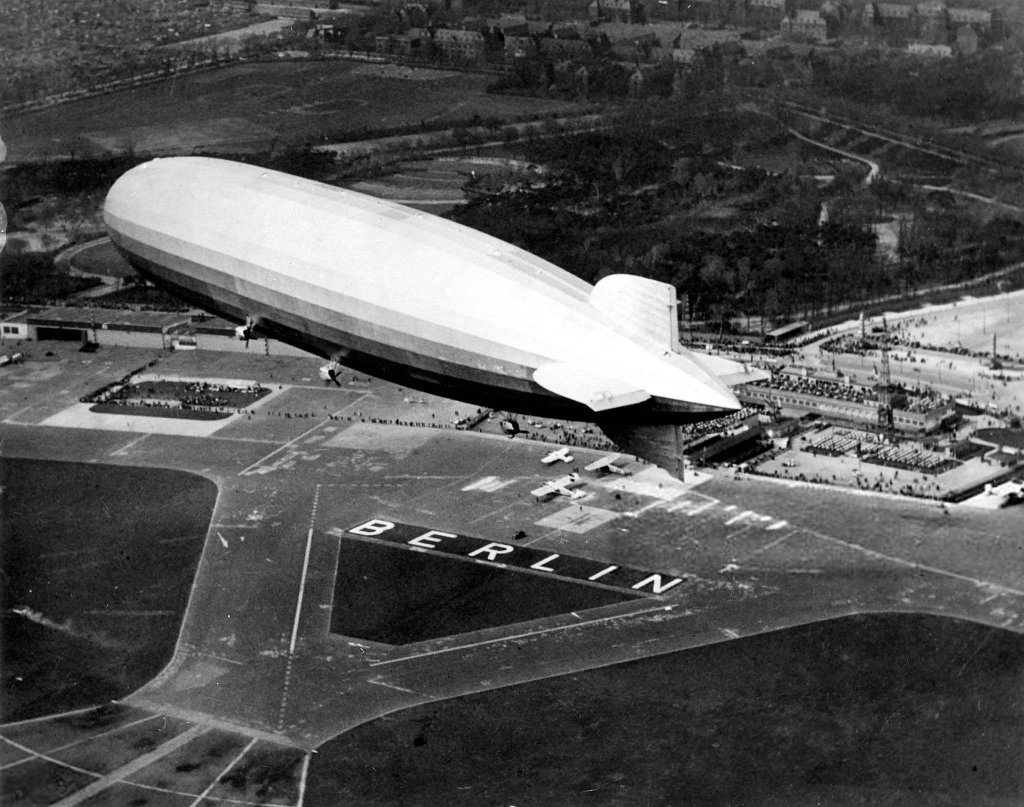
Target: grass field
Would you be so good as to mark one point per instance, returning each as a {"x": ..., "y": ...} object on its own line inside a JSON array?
[
  {"x": 373, "y": 597},
  {"x": 102, "y": 259},
  {"x": 894, "y": 709},
  {"x": 98, "y": 563},
  {"x": 253, "y": 107}
]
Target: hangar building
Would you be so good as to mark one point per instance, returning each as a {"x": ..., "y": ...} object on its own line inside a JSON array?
[{"x": 128, "y": 328}]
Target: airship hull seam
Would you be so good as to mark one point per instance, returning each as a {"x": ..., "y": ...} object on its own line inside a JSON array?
[{"x": 430, "y": 373}]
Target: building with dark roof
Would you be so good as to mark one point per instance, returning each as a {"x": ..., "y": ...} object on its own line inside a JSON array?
[
  {"x": 460, "y": 47},
  {"x": 129, "y": 328},
  {"x": 805, "y": 25},
  {"x": 843, "y": 402}
]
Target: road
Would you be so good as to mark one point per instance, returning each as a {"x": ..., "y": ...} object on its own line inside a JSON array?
[{"x": 874, "y": 169}]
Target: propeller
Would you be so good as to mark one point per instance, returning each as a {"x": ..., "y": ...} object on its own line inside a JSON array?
[{"x": 244, "y": 332}]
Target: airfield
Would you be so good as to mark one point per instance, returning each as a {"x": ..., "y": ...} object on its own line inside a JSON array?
[{"x": 487, "y": 646}]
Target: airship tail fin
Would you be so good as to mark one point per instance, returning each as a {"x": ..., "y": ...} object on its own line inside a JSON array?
[
  {"x": 642, "y": 308},
  {"x": 646, "y": 310},
  {"x": 588, "y": 386},
  {"x": 729, "y": 372}
]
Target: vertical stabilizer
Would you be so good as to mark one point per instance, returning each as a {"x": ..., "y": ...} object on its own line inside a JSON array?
[{"x": 641, "y": 308}]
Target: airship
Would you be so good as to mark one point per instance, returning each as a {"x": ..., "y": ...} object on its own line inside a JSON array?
[{"x": 413, "y": 298}]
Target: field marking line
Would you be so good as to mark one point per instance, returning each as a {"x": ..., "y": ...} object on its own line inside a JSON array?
[
  {"x": 94, "y": 775},
  {"x": 129, "y": 444},
  {"x": 280, "y": 448},
  {"x": 48, "y": 758},
  {"x": 80, "y": 740},
  {"x": 294, "y": 440},
  {"x": 493, "y": 513},
  {"x": 550, "y": 534},
  {"x": 304, "y": 778},
  {"x": 637, "y": 513},
  {"x": 28, "y": 720},
  {"x": 741, "y": 532},
  {"x": 10, "y": 418},
  {"x": 419, "y": 476},
  {"x": 239, "y": 439},
  {"x": 302, "y": 592},
  {"x": 768, "y": 546},
  {"x": 298, "y": 612},
  {"x": 305, "y": 571},
  {"x": 525, "y": 635},
  {"x": 874, "y": 553},
  {"x": 120, "y": 774},
  {"x": 377, "y": 680},
  {"x": 217, "y": 778},
  {"x": 466, "y": 477}
]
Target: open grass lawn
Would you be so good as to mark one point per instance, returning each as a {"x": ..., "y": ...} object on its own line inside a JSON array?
[
  {"x": 98, "y": 563},
  {"x": 254, "y": 106},
  {"x": 392, "y": 595},
  {"x": 103, "y": 259},
  {"x": 887, "y": 709}
]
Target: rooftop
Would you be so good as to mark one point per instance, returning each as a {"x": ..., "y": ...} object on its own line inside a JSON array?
[{"x": 120, "y": 319}]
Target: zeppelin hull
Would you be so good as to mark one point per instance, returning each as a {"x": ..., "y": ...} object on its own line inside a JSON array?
[
  {"x": 395, "y": 293},
  {"x": 325, "y": 333}
]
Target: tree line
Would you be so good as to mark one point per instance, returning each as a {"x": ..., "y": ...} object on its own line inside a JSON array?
[{"x": 660, "y": 199}]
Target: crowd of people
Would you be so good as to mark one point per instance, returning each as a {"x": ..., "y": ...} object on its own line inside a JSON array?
[
  {"x": 836, "y": 444},
  {"x": 693, "y": 431},
  {"x": 870, "y": 345},
  {"x": 920, "y": 488},
  {"x": 819, "y": 387},
  {"x": 909, "y": 457},
  {"x": 199, "y": 395}
]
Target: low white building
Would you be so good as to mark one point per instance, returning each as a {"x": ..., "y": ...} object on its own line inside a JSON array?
[{"x": 14, "y": 326}]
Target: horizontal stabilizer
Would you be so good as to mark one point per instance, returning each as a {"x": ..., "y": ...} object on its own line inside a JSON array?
[
  {"x": 639, "y": 307},
  {"x": 588, "y": 387},
  {"x": 728, "y": 371}
]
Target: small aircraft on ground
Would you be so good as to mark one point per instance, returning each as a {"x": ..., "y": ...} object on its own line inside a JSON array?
[
  {"x": 606, "y": 465},
  {"x": 563, "y": 486},
  {"x": 561, "y": 454}
]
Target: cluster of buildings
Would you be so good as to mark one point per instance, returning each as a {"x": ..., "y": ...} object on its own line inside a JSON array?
[
  {"x": 624, "y": 30},
  {"x": 840, "y": 401},
  {"x": 505, "y": 39},
  {"x": 923, "y": 25},
  {"x": 929, "y": 27},
  {"x": 163, "y": 330}
]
